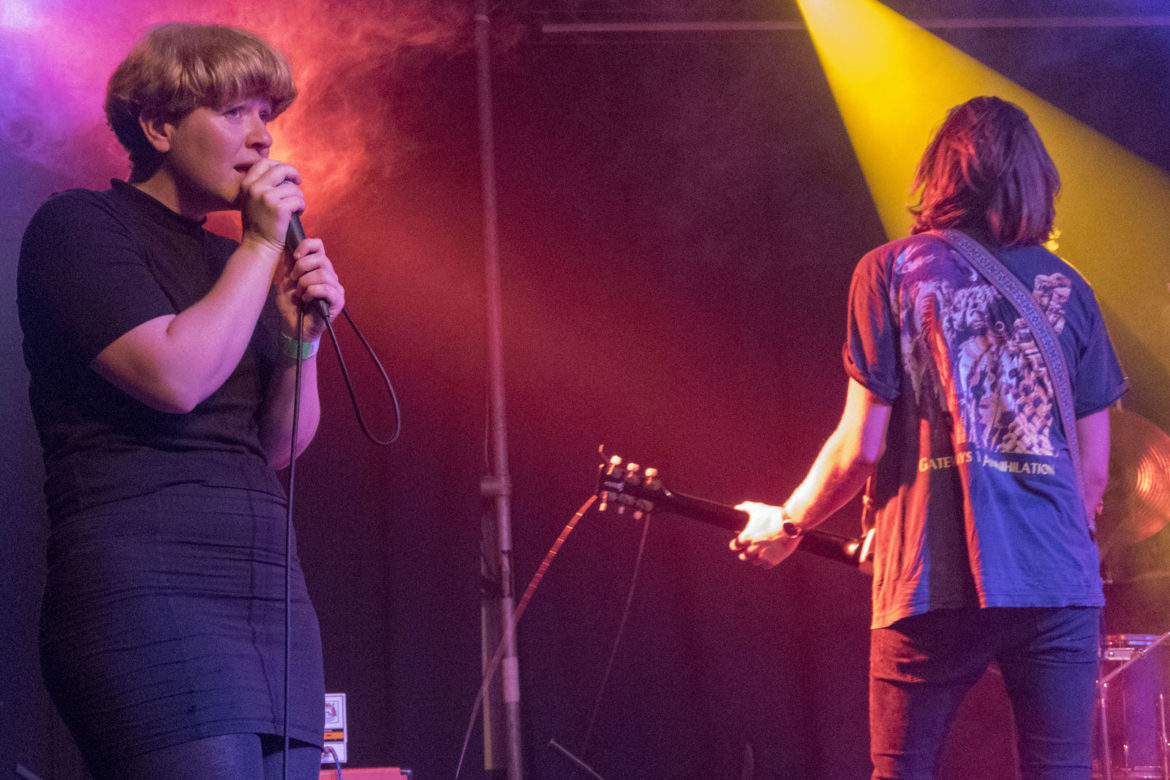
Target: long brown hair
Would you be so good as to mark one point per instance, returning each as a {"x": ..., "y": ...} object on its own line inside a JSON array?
[{"x": 987, "y": 169}]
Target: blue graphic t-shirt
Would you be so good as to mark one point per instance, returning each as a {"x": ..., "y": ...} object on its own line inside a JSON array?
[{"x": 977, "y": 501}]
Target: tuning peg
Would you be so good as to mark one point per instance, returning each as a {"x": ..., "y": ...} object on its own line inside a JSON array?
[{"x": 612, "y": 466}]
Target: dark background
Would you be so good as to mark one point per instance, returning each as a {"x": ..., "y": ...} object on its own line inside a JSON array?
[{"x": 679, "y": 217}]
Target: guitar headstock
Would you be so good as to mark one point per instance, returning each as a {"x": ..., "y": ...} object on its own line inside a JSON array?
[{"x": 626, "y": 485}]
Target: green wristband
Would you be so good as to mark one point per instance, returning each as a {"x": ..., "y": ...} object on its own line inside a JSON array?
[{"x": 298, "y": 349}]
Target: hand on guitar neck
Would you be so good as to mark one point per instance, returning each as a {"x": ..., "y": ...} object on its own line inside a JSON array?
[
  {"x": 764, "y": 541},
  {"x": 628, "y": 486}
]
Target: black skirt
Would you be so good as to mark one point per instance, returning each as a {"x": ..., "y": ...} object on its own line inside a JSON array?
[{"x": 163, "y": 622}]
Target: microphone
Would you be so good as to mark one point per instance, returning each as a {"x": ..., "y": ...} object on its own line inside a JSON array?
[{"x": 293, "y": 239}]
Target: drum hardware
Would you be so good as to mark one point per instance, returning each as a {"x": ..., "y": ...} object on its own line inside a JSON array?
[
  {"x": 1136, "y": 505},
  {"x": 1144, "y": 756}
]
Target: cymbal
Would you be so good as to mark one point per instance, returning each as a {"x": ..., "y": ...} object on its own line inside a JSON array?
[{"x": 1137, "y": 498}]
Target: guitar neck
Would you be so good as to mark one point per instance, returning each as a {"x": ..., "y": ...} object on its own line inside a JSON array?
[
  {"x": 719, "y": 515},
  {"x": 833, "y": 547}
]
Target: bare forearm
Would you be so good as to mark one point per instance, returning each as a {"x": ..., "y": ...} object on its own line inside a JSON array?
[
  {"x": 1093, "y": 441},
  {"x": 835, "y": 477},
  {"x": 276, "y": 416},
  {"x": 839, "y": 471},
  {"x": 211, "y": 335},
  {"x": 845, "y": 461},
  {"x": 173, "y": 363}
]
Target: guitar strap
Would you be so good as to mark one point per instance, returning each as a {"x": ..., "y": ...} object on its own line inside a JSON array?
[{"x": 1010, "y": 286}]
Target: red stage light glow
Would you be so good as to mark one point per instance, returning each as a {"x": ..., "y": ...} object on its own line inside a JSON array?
[{"x": 56, "y": 55}]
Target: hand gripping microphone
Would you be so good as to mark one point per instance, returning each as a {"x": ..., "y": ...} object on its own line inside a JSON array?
[{"x": 293, "y": 239}]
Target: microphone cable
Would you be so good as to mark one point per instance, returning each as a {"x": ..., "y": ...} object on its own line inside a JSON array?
[
  {"x": 288, "y": 526},
  {"x": 349, "y": 382},
  {"x": 618, "y": 637},
  {"x": 489, "y": 671},
  {"x": 295, "y": 236},
  {"x": 493, "y": 665}
]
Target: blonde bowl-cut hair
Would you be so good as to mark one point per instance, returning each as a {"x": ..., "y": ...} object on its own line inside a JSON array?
[{"x": 176, "y": 67}]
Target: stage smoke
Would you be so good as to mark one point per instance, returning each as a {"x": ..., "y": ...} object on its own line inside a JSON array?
[{"x": 349, "y": 61}]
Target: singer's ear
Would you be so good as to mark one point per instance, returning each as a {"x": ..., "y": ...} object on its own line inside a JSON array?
[{"x": 157, "y": 132}]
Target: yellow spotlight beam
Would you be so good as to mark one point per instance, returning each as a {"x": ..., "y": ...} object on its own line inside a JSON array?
[{"x": 893, "y": 82}]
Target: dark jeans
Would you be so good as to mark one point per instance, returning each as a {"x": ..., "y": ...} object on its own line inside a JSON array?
[{"x": 921, "y": 667}]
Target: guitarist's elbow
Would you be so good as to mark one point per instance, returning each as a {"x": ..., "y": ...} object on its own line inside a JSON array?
[
  {"x": 871, "y": 452},
  {"x": 866, "y": 452}
]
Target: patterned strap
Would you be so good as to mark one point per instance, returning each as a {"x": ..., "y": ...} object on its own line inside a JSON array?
[{"x": 1014, "y": 290}]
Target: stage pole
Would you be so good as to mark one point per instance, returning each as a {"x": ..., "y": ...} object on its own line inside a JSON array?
[{"x": 502, "y": 706}]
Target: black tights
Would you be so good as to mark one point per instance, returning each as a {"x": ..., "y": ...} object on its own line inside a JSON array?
[{"x": 235, "y": 756}]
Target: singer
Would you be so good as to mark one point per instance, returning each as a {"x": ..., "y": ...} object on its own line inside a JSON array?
[
  {"x": 988, "y": 474},
  {"x": 161, "y": 361}
]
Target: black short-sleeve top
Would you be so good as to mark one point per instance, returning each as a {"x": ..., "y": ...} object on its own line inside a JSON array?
[{"x": 94, "y": 265}]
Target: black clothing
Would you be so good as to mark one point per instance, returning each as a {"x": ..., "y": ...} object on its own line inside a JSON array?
[
  {"x": 163, "y": 614},
  {"x": 93, "y": 266}
]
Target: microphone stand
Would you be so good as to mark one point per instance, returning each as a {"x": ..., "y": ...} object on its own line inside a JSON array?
[{"x": 498, "y": 603}]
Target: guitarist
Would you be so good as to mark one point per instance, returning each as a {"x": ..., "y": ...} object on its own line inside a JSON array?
[{"x": 984, "y": 533}]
